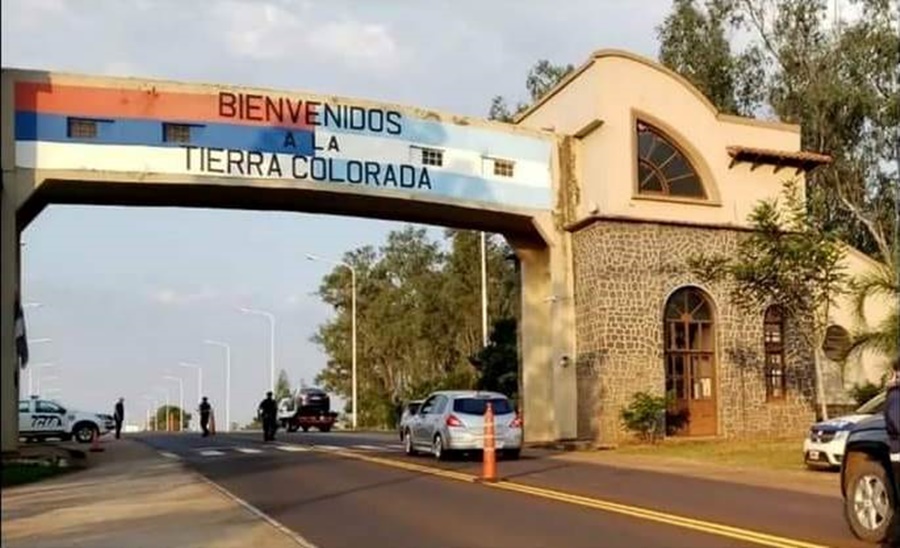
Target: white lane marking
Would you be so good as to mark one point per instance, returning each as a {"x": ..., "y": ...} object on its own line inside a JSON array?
[
  {"x": 292, "y": 448},
  {"x": 329, "y": 447},
  {"x": 211, "y": 453},
  {"x": 395, "y": 446},
  {"x": 258, "y": 513},
  {"x": 248, "y": 450},
  {"x": 369, "y": 447},
  {"x": 169, "y": 455}
]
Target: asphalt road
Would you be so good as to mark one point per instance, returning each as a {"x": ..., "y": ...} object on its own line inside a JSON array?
[{"x": 341, "y": 490}]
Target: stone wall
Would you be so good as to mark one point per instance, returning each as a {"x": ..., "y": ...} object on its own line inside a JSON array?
[{"x": 624, "y": 272}]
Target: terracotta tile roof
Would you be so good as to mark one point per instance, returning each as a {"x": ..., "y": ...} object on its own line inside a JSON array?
[{"x": 801, "y": 160}]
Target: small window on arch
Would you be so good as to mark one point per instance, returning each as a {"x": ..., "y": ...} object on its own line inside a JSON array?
[
  {"x": 663, "y": 170},
  {"x": 837, "y": 343}
]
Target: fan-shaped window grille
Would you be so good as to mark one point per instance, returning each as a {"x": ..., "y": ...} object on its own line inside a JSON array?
[{"x": 663, "y": 170}]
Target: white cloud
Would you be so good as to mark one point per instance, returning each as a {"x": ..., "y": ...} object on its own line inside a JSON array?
[
  {"x": 358, "y": 43},
  {"x": 268, "y": 31}
]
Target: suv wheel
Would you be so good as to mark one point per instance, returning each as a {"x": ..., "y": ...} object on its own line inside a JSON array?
[
  {"x": 84, "y": 432},
  {"x": 868, "y": 505}
]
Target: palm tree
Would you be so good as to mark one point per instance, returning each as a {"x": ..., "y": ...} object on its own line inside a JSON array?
[{"x": 884, "y": 337}]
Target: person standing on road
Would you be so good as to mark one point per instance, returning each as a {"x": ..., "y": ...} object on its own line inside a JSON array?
[
  {"x": 119, "y": 416},
  {"x": 892, "y": 424},
  {"x": 268, "y": 411},
  {"x": 205, "y": 411}
]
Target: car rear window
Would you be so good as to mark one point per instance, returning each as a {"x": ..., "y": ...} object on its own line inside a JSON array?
[
  {"x": 413, "y": 407},
  {"x": 477, "y": 406}
]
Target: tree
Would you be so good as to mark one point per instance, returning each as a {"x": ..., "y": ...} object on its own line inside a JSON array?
[
  {"x": 789, "y": 260},
  {"x": 418, "y": 317},
  {"x": 837, "y": 79},
  {"x": 161, "y": 422},
  {"x": 542, "y": 77},
  {"x": 498, "y": 362},
  {"x": 282, "y": 386},
  {"x": 883, "y": 338},
  {"x": 694, "y": 43}
]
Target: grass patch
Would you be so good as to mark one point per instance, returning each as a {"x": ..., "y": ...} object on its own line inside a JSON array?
[
  {"x": 772, "y": 455},
  {"x": 20, "y": 473}
]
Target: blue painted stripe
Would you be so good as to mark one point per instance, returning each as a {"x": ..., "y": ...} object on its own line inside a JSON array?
[
  {"x": 487, "y": 142},
  {"x": 32, "y": 126},
  {"x": 443, "y": 183}
]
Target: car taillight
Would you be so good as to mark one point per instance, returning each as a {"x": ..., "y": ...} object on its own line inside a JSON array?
[
  {"x": 516, "y": 422},
  {"x": 453, "y": 421}
]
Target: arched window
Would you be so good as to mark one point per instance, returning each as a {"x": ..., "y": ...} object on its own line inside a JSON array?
[
  {"x": 773, "y": 338},
  {"x": 663, "y": 170},
  {"x": 690, "y": 358}
]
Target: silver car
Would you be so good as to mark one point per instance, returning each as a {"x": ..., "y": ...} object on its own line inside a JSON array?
[{"x": 453, "y": 421}]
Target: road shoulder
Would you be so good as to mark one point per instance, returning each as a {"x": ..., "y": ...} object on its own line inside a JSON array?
[
  {"x": 133, "y": 496},
  {"x": 822, "y": 483}
]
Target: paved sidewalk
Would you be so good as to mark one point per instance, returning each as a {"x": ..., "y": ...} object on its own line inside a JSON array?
[
  {"x": 131, "y": 496},
  {"x": 815, "y": 482}
]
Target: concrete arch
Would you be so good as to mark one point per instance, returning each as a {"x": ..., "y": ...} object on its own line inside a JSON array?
[{"x": 122, "y": 154}]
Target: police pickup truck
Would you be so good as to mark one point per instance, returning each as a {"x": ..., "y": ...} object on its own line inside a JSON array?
[{"x": 42, "y": 419}]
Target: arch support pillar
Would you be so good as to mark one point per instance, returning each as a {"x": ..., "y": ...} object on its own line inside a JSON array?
[
  {"x": 9, "y": 276},
  {"x": 547, "y": 336}
]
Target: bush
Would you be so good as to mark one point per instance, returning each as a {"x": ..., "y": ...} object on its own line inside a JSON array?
[{"x": 645, "y": 416}]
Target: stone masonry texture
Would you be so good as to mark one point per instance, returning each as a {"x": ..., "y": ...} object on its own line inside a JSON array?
[{"x": 624, "y": 273}]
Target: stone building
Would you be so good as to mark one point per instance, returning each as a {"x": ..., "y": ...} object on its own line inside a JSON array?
[{"x": 658, "y": 175}]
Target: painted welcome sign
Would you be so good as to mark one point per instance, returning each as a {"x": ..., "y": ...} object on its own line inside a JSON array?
[{"x": 238, "y": 134}]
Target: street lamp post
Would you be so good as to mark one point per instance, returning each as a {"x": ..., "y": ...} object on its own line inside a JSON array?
[
  {"x": 199, "y": 382},
  {"x": 48, "y": 378},
  {"x": 31, "y": 369},
  {"x": 227, "y": 348},
  {"x": 484, "y": 297},
  {"x": 271, "y": 317},
  {"x": 353, "y": 328},
  {"x": 180, "y": 399},
  {"x": 155, "y": 404},
  {"x": 36, "y": 389}
]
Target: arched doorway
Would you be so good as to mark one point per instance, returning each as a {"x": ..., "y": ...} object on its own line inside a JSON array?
[{"x": 690, "y": 350}]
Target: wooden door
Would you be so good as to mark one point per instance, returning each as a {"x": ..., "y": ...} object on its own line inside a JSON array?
[{"x": 691, "y": 363}]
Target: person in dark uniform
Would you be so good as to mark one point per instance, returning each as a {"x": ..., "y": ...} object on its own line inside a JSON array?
[
  {"x": 892, "y": 424},
  {"x": 268, "y": 411},
  {"x": 119, "y": 416},
  {"x": 205, "y": 411}
]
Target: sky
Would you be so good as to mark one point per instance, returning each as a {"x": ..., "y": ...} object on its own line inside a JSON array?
[{"x": 127, "y": 294}]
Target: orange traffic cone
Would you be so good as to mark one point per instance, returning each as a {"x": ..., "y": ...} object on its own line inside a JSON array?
[
  {"x": 95, "y": 442},
  {"x": 489, "y": 464}
]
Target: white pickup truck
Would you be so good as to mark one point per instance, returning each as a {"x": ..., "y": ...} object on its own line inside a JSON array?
[{"x": 41, "y": 419}]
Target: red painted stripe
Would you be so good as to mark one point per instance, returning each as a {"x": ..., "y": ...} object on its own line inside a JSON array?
[{"x": 172, "y": 106}]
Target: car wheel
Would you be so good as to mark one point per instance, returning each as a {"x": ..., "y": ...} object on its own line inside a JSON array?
[
  {"x": 437, "y": 448},
  {"x": 867, "y": 504},
  {"x": 408, "y": 444},
  {"x": 84, "y": 432}
]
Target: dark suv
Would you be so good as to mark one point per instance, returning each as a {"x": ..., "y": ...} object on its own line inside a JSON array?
[{"x": 870, "y": 483}]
